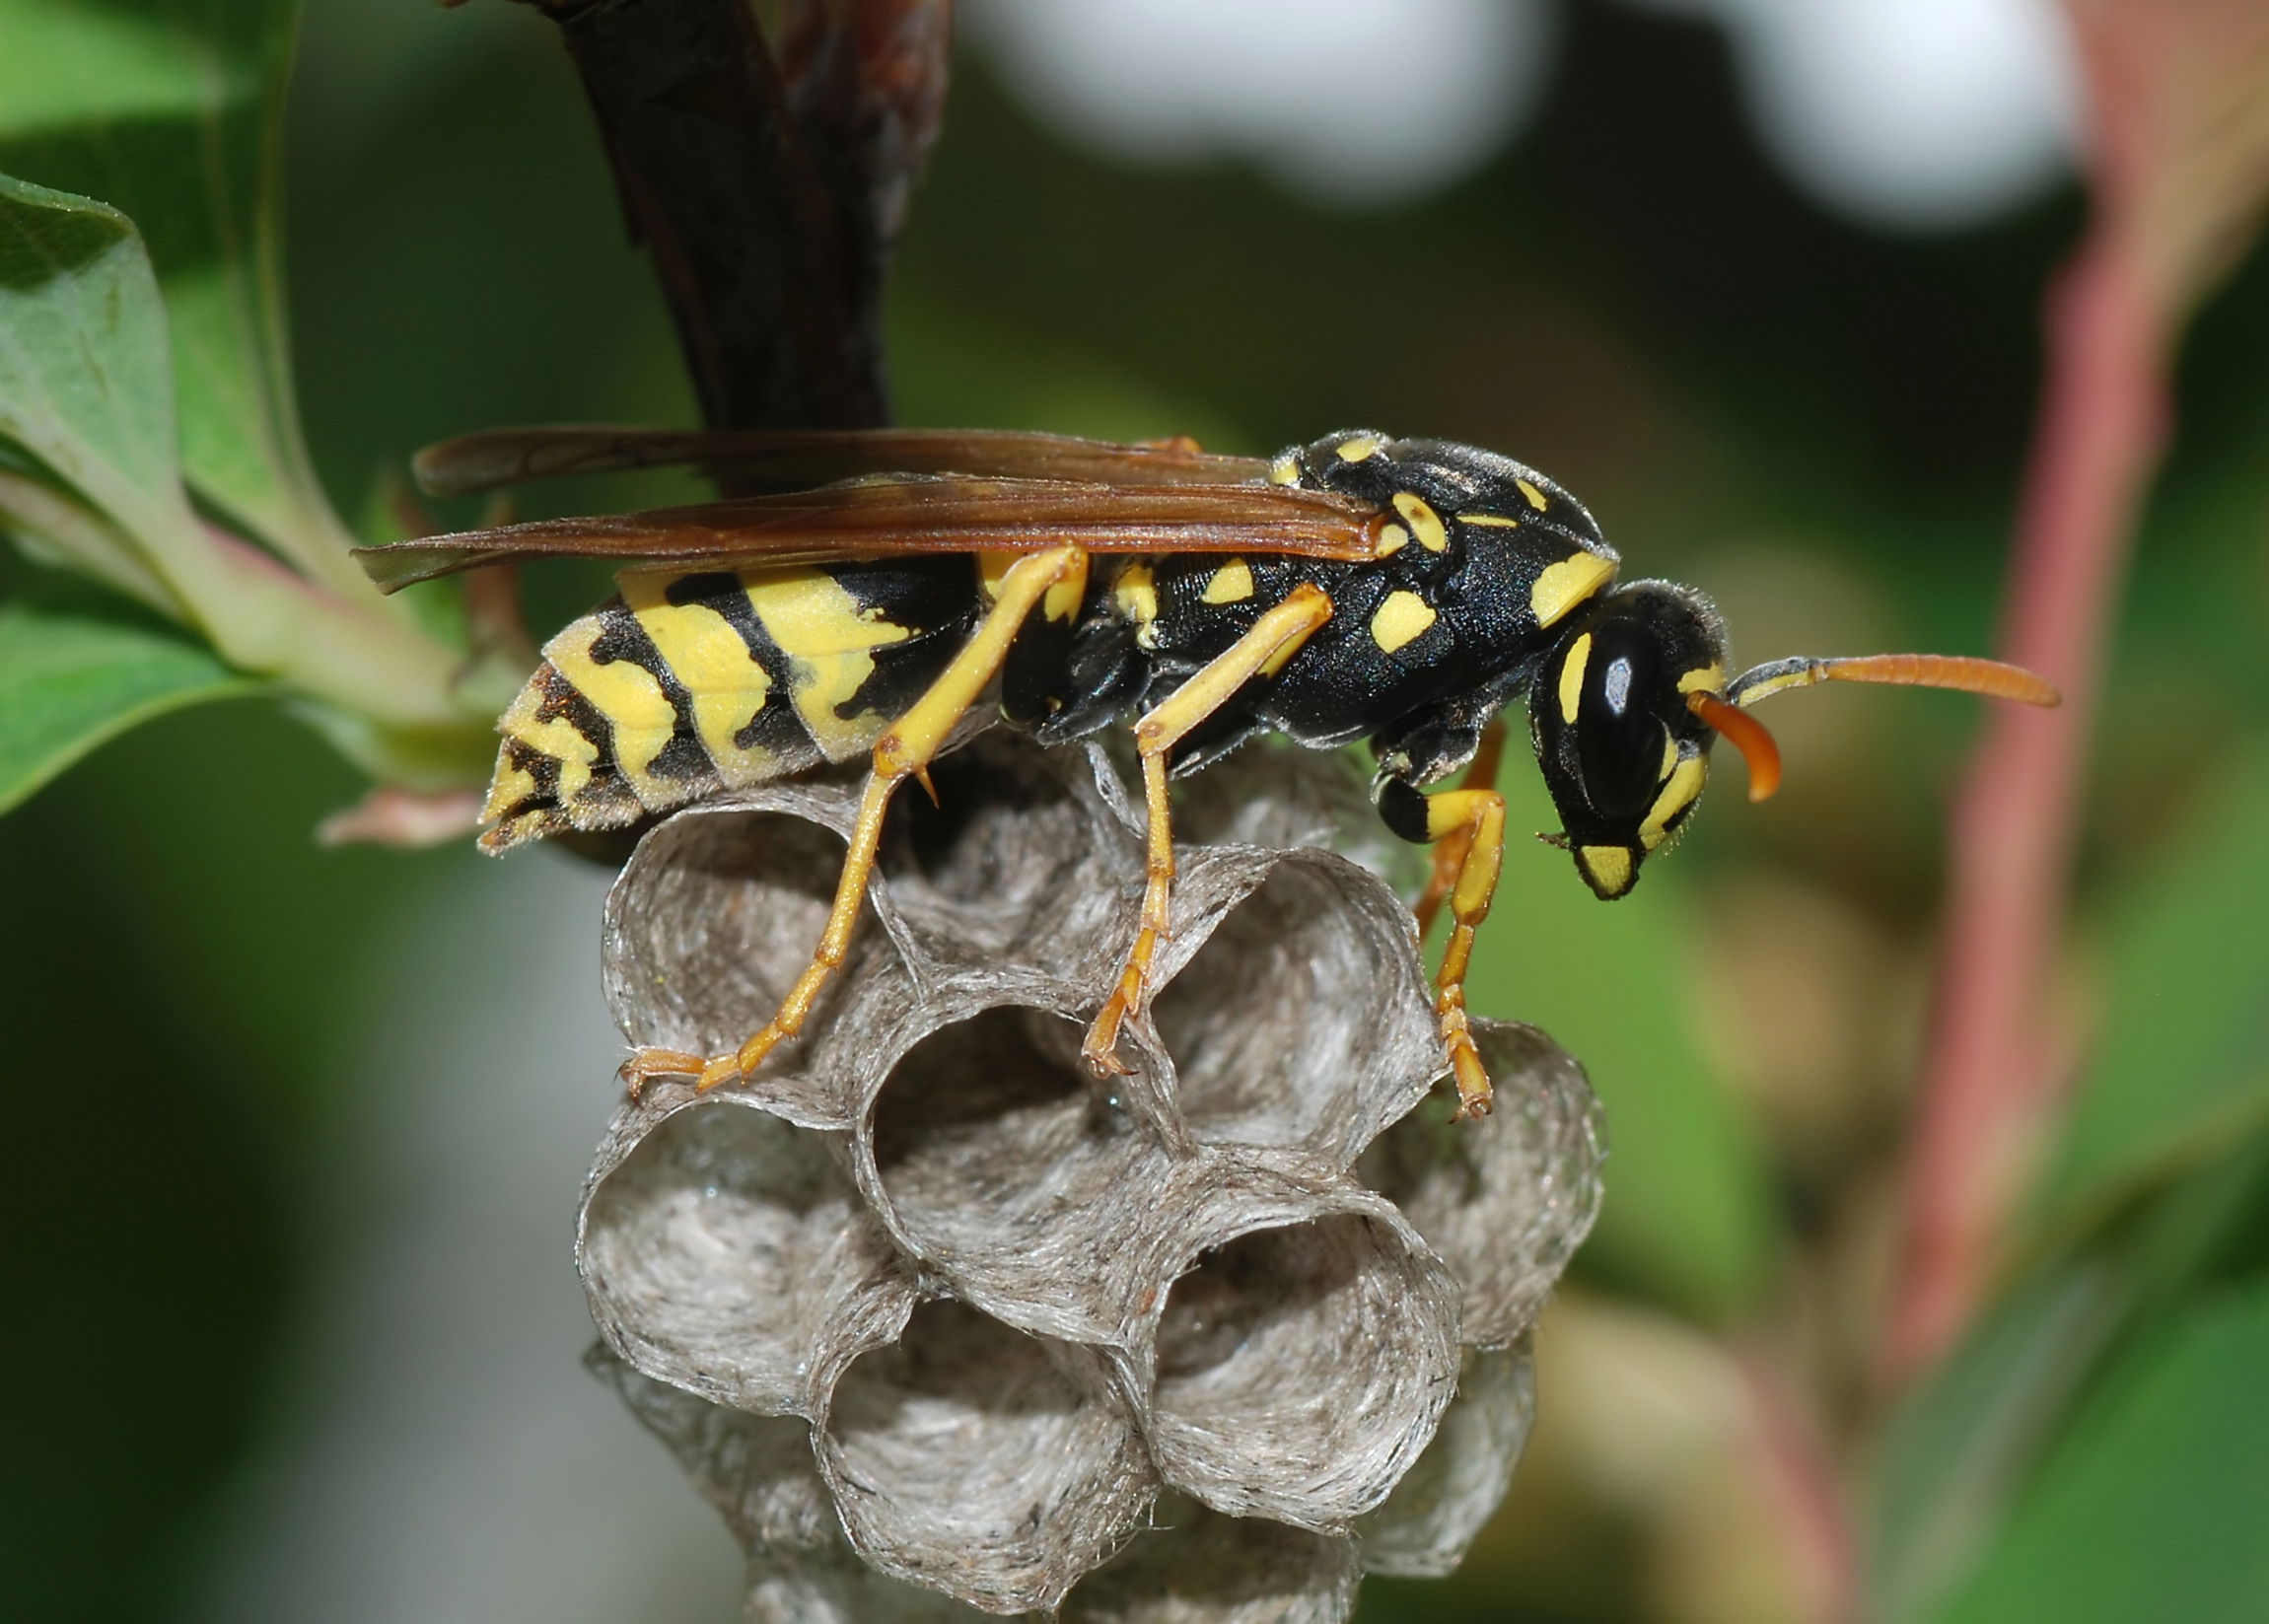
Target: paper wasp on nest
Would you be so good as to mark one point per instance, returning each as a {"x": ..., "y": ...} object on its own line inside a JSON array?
[{"x": 880, "y": 584}]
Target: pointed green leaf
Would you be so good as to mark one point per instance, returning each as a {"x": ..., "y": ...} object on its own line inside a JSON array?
[
  {"x": 2154, "y": 1505},
  {"x": 69, "y": 682},
  {"x": 1961, "y": 1444},
  {"x": 2183, "y": 1072},
  {"x": 168, "y": 111},
  {"x": 84, "y": 383}
]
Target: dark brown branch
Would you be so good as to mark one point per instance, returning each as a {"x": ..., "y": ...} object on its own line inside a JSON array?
[{"x": 771, "y": 189}]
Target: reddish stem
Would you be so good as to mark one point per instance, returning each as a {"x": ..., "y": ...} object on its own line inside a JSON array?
[
  {"x": 1816, "y": 1511},
  {"x": 1989, "y": 1070}
]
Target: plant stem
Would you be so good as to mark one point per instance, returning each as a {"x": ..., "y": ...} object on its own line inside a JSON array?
[{"x": 1989, "y": 1070}]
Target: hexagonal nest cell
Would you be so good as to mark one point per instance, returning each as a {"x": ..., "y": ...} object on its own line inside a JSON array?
[{"x": 946, "y": 1326}]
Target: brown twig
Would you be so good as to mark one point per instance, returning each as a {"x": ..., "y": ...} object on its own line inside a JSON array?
[{"x": 770, "y": 188}]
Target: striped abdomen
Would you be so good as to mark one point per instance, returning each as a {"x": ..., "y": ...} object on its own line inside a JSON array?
[{"x": 687, "y": 685}]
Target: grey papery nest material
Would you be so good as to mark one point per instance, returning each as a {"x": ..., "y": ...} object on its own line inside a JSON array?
[{"x": 941, "y": 1322}]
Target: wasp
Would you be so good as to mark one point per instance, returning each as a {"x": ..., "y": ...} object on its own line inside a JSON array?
[{"x": 866, "y": 590}]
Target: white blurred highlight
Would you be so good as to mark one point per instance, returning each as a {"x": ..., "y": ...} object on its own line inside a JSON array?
[
  {"x": 1343, "y": 101},
  {"x": 1913, "y": 115}
]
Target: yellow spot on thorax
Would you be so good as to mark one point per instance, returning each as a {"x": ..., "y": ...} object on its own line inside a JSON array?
[
  {"x": 1357, "y": 447},
  {"x": 623, "y": 691},
  {"x": 1535, "y": 497},
  {"x": 1425, "y": 524},
  {"x": 1562, "y": 585},
  {"x": 1062, "y": 601},
  {"x": 1393, "y": 539},
  {"x": 1495, "y": 520},
  {"x": 1403, "y": 619},
  {"x": 713, "y": 662},
  {"x": 1608, "y": 867},
  {"x": 1285, "y": 470},
  {"x": 1136, "y": 593},
  {"x": 992, "y": 565},
  {"x": 1231, "y": 584},
  {"x": 830, "y": 640},
  {"x": 1572, "y": 678}
]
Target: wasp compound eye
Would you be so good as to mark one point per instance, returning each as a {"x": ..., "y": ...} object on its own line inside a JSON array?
[{"x": 1618, "y": 738}]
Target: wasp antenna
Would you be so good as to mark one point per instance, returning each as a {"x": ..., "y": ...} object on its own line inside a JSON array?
[
  {"x": 1747, "y": 735},
  {"x": 1965, "y": 673}
]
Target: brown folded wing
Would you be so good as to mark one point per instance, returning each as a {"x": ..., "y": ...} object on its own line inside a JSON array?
[
  {"x": 754, "y": 462},
  {"x": 910, "y": 514}
]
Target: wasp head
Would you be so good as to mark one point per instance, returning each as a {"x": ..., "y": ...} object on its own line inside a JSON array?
[{"x": 1622, "y": 750}]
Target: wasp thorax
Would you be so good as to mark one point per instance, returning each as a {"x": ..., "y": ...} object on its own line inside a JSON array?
[{"x": 1622, "y": 752}]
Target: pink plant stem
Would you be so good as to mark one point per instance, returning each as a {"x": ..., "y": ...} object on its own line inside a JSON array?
[
  {"x": 1815, "y": 1513},
  {"x": 1989, "y": 1072}
]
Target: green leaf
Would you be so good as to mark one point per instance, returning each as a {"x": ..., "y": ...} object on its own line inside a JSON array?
[
  {"x": 167, "y": 111},
  {"x": 2154, "y": 1505},
  {"x": 69, "y": 682},
  {"x": 83, "y": 371},
  {"x": 2182, "y": 1073},
  {"x": 1688, "y": 1213},
  {"x": 1961, "y": 1444},
  {"x": 83, "y": 389}
]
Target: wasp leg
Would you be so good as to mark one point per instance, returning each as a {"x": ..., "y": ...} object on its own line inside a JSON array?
[
  {"x": 1273, "y": 639},
  {"x": 905, "y": 751},
  {"x": 1475, "y": 817},
  {"x": 1449, "y": 851}
]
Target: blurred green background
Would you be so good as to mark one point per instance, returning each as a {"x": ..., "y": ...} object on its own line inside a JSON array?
[{"x": 291, "y": 1326}]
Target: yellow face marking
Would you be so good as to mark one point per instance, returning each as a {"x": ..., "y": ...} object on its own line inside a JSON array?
[
  {"x": 1231, "y": 584},
  {"x": 631, "y": 699},
  {"x": 1563, "y": 585},
  {"x": 1709, "y": 678},
  {"x": 1610, "y": 868},
  {"x": 1393, "y": 539},
  {"x": 1685, "y": 786},
  {"x": 712, "y": 660},
  {"x": 1496, "y": 520},
  {"x": 1425, "y": 524},
  {"x": 1285, "y": 470},
  {"x": 830, "y": 639},
  {"x": 1572, "y": 678},
  {"x": 1400, "y": 620},
  {"x": 1535, "y": 497},
  {"x": 1355, "y": 447}
]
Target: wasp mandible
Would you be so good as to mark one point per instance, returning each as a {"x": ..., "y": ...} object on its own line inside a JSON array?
[{"x": 874, "y": 586}]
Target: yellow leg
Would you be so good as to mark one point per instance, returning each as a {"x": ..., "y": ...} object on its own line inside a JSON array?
[
  {"x": 904, "y": 751},
  {"x": 1274, "y": 637},
  {"x": 1449, "y": 851},
  {"x": 1475, "y": 817}
]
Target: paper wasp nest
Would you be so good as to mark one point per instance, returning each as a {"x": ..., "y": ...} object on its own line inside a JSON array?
[{"x": 942, "y": 1323}]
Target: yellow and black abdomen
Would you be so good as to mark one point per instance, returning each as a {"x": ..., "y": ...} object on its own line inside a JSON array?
[{"x": 688, "y": 684}]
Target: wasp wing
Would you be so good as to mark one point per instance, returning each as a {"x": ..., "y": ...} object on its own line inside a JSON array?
[
  {"x": 909, "y": 515},
  {"x": 758, "y": 461}
]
